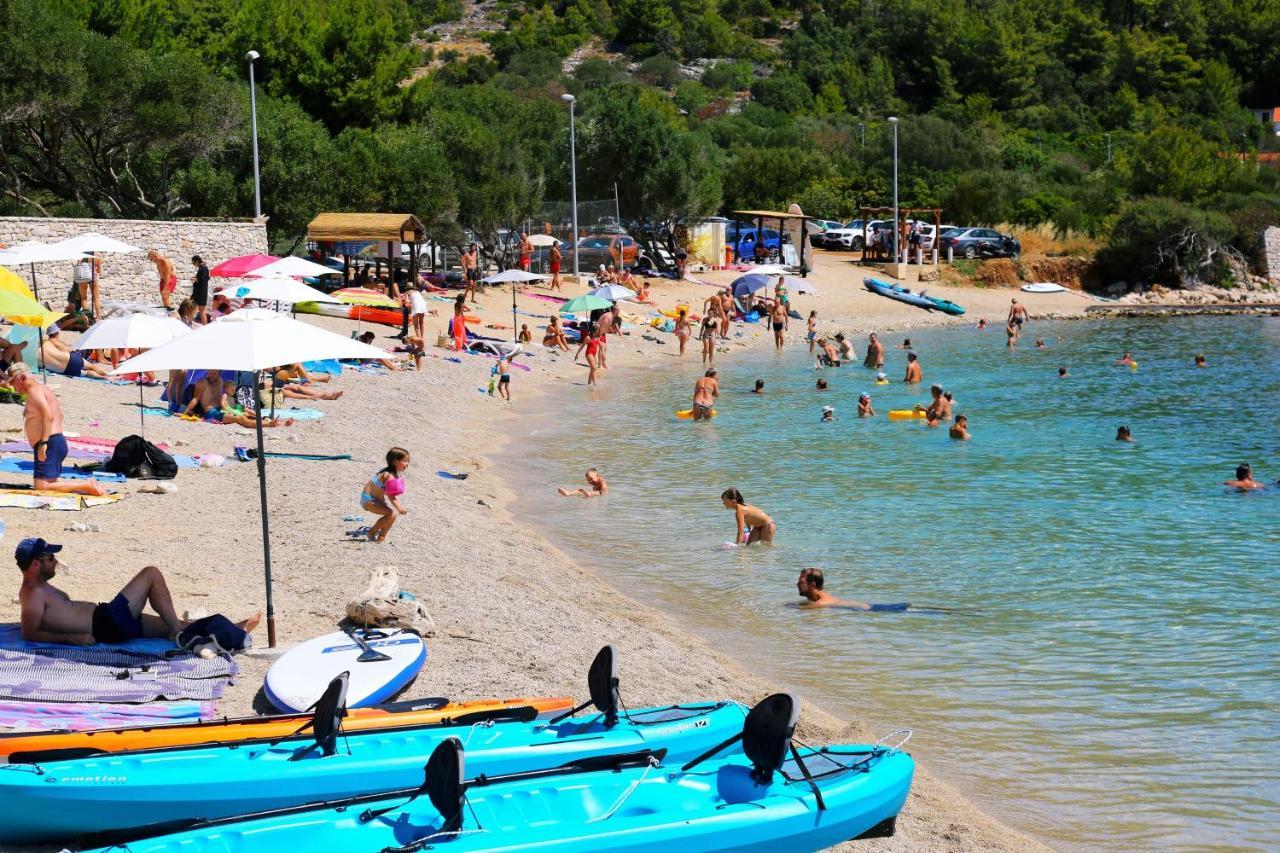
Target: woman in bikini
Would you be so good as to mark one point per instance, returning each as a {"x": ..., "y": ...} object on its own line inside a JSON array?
[
  {"x": 708, "y": 337},
  {"x": 595, "y": 341},
  {"x": 754, "y": 525},
  {"x": 682, "y": 329},
  {"x": 381, "y": 494}
]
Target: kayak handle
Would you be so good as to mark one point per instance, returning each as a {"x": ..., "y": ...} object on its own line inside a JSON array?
[{"x": 906, "y": 736}]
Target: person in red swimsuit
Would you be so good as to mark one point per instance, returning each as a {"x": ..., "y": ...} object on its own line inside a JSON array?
[
  {"x": 526, "y": 252},
  {"x": 594, "y": 341},
  {"x": 555, "y": 266}
]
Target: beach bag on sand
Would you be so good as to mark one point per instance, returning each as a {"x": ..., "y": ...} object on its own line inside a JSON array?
[
  {"x": 134, "y": 456},
  {"x": 213, "y": 635},
  {"x": 383, "y": 604}
]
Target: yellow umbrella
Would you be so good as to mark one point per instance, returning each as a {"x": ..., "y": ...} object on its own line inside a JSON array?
[
  {"x": 9, "y": 280},
  {"x": 21, "y": 309}
]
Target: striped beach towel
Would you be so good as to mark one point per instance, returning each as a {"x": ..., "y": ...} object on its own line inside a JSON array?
[{"x": 105, "y": 674}]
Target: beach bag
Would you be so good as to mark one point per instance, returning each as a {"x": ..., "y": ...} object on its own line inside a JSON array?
[
  {"x": 134, "y": 456},
  {"x": 383, "y": 604},
  {"x": 224, "y": 635}
]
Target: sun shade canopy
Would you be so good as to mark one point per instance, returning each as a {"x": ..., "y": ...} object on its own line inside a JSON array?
[{"x": 336, "y": 227}]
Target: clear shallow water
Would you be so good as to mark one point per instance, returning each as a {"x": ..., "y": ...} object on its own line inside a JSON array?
[{"x": 1121, "y": 687}]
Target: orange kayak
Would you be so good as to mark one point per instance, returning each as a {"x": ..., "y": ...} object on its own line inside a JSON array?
[{"x": 230, "y": 729}]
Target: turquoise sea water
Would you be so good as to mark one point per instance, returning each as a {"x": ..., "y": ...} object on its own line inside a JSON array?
[{"x": 1121, "y": 685}]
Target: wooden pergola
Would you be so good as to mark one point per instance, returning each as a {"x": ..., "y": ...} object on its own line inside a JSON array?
[
  {"x": 332, "y": 230},
  {"x": 759, "y": 216},
  {"x": 905, "y": 214}
]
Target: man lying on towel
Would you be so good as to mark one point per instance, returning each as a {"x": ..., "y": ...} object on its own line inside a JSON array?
[
  {"x": 50, "y": 616},
  {"x": 59, "y": 358}
]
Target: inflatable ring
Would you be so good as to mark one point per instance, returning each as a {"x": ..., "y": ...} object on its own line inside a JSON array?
[
  {"x": 687, "y": 414},
  {"x": 907, "y": 415}
]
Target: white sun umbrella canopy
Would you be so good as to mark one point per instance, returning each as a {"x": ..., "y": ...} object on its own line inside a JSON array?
[
  {"x": 542, "y": 240},
  {"x": 97, "y": 243},
  {"x": 767, "y": 269},
  {"x": 293, "y": 266},
  {"x": 133, "y": 331},
  {"x": 613, "y": 292},
  {"x": 251, "y": 339},
  {"x": 513, "y": 276},
  {"x": 277, "y": 288},
  {"x": 33, "y": 252}
]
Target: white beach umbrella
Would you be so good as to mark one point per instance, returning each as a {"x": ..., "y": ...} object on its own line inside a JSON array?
[
  {"x": 99, "y": 244},
  {"x": 293, "y": 266},
  {"x": 613, "y": 292},
  {"x": 132, "y": 331},
  {"x": 34, "y": 252},
  {"x": 767, "y": 269},
  {"x": 277, "y": 288},
  {"x": 514, "y": 276},
  {"x": 800, "y": 285},
  {"x": 542, "y": 240},
  {"x": 253, "y": 340}
]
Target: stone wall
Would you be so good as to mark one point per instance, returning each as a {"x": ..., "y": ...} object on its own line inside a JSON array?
[
  {"x": 132, "y": 277},
  {"x": 1271, "y": 255}
]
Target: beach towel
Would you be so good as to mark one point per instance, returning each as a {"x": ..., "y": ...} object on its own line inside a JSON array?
[
  {"x": 11, "y": 639},
  {"x": 42, "y": 499},
  {"x": 28, "y": 467},
  {"x": 330, "y": 365},
  {"x": 298, "y": 414},
  {"x": 84, "y": 716},
  {"x": 104, "y": 674},
  {"x": 82, "y": 453}
]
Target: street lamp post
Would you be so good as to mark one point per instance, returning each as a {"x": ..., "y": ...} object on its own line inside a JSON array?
[
  {"x": 253, "y": 120},
  {"x": 893, "y": 120},
  {"x": 573, "y": 180}
]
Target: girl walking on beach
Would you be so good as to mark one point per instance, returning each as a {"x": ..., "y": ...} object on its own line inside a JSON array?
[
  {"x": 381, "y": 495},
  {"x": 595, "y": 340},
  {"x": 708, "y": 338},
  {"x": 754, "y": 524},
  {"x": 682, "y": 329},
  {"x": 812, "y": 334}
]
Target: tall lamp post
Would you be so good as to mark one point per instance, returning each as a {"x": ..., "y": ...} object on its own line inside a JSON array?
[
  {"x": 573, "y": 180},
  {"x": 893, "y": 120},
  {"x": 251, "y": 56}
]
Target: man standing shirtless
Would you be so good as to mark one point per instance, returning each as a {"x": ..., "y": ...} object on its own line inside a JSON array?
[
  {"x": 1018, "y": 315},
  {"x": 168, "y": 278},
  {"x": 705, "y": 391},
  {"x": 49, "y": 615},
  {"x": 470, "y": 260},
  {"x": 939, "y": 410},
  {"x": 778, "y": 317},
  {"x": 914, "y": 373},
  {"x": 42, "y": 417},
  {"x": 875, "y": 353}
]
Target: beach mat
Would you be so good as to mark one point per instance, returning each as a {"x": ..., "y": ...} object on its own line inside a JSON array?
[
  {"x": 100, "y": 674},
  {"x": 20, "y": 716},
  {"x": 42, "y": 499},
  {"x": 28, "y": 467},
  {"x": 298, "y": 414},
  {"x": 11, "y": 639}
]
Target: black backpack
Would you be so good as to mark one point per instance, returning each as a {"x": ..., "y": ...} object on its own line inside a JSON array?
[{"x": 134, "y": 456}]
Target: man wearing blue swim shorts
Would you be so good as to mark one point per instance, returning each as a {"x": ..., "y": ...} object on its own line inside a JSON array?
[
  {"x": 59, "y": 358},
  {"x": 42, "y": 418},
  {"x": 49, "y": 615}
]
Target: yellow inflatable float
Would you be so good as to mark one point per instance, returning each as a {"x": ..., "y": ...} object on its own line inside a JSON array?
[
  {"x": 906, "y": 414},
  {"x": 687, "y": 414}
]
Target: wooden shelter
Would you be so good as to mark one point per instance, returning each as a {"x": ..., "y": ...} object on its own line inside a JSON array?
[
  {"x": 340, "y": 234},
  {"x": 759, "y": 216},
  {"x": 905, "y": 215}
]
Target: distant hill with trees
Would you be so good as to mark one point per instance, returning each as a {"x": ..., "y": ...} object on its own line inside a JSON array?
[{"x": 1126, "y": 120}]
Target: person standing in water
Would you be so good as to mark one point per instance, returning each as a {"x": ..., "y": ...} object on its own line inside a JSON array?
[
  {"x": 705, "y": 391},
  {"x": 1018, "y": 315},
  {"x": 778, "y": 318},
  {"x": 875, "y": 353},
  {"x": 682, "y": 328},
  {"x": 708, "y": 337},
  {"x": 915, "y": 374},
  {"x": 754, "y": 525},
  {"x": 864, "y": 406},
  {"x": 1123, "y": 434},
  {"x": 960, "y": 429},
  {"x": 812, "y": 334}
]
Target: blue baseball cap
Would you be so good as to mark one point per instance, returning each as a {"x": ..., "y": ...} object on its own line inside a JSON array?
[{"x": 30, "y": 548}]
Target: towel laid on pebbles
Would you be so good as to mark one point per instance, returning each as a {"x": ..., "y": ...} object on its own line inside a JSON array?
[{"x": 84, "y": 716}]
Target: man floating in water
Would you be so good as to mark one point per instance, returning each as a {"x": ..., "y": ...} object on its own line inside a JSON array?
[
  {"x": 810, "y": 586},
  {"x": 1244, "y": 479}
]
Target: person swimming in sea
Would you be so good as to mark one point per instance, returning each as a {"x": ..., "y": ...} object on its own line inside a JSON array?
[
  {"x": 906, "y": 343},
  {"x": 811, "y": 585},
  {"x": 914, "y": 373},
  {"x": 1039, "y": 343},
  {"x": 1123, "y": 434},
  {"x": 864, "y": 406},
  {"x": 759, "y": 389},
  {"x": 1062, "y": 373},
  {"x": 828, "y": 414},
  {"x": 1127, "y": 358},
  {"x": 597, "y": 487},
  {"x": 1200, "y": 362},
  {"x": 754, "y": 524},
  {"x": 960, "y": 429},
  {"x": 982, "y": 323},
  {"x": 821, "y": 385},
  {"x": 1244, "y": 481}
]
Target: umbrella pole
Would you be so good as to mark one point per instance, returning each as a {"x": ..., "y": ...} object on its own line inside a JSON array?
[
  {"x": 142, "y": 412},
  {"x": 514, "y": 328},
  {"x": 266, "y": 530},
  {"x": 34, "y": 289},
  {"x": 44, "y": 376}
]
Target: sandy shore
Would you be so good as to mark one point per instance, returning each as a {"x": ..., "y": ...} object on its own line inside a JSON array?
[{"x": 514, "y": 616}]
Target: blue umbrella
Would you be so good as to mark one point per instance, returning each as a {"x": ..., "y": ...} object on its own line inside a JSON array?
[{"x": 750, "y": 283}]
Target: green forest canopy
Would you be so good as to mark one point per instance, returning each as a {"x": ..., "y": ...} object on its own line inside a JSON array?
[{"x": 1090, "y": 115}]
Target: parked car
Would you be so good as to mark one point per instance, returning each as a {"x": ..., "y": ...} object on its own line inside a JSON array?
[
  {"x": 818, "y": 228},
  {"x": 851, "y": 235},
  {"x": 743, "y": 237},
  {"x": 970, "y": 243},
  {"x": 593, "y": 250}
]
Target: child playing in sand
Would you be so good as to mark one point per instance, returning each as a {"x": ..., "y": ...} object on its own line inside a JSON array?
[
  {"x": 594, "y": 480},
  {"x": 525, "y": 336},
  {"x": 754, "y": 525},
  {"x": 381, "y": 495}
]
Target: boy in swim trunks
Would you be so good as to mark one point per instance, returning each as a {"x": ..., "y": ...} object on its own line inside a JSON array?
[
  {"x": 598, "y": 487},
  {"x": 49, "y": 615},
  {"x": 503, "y": 367}
]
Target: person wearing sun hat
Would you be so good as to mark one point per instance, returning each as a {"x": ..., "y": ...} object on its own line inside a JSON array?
[{"x": 864, "y": 406}]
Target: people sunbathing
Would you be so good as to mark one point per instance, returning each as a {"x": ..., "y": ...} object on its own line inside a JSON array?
[
  {"x": 210, "y": 402},
  {"x": 57, "y": 357},
  {"x": 555, "y": 335},
  {"x": 294, "y": 381}
]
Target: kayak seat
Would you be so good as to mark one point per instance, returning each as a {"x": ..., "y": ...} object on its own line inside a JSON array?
[
  {"x": 326, "y": 722},
  {"x": 602, "y": 686},
  {"x": 444, "y": 786},
  {"x": 766, "y": 734}
]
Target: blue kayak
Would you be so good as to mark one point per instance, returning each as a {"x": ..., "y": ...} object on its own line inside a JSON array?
[
  {"x": 769, "y": 796},
  {"x": 62, "y": 799},
  {"x": 920, "y": 300}
]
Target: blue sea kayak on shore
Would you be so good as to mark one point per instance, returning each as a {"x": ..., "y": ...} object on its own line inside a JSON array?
[
  {"x": 920, "y": 300},
  {"x": 769, "y": 795},
  {"x": 64, "y": 799}
]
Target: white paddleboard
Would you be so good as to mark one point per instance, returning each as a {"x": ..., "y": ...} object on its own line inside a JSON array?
[
  {"x": 1043, "y": 287},
  {"x": 297, "y": 679}
]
